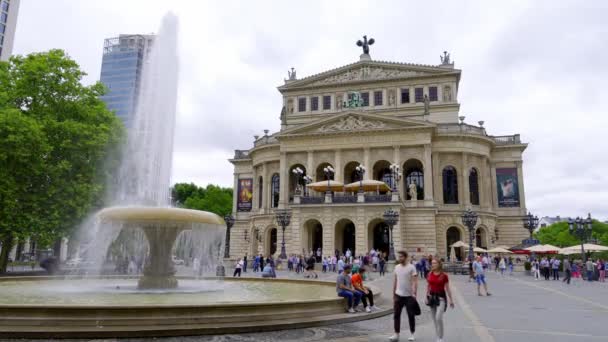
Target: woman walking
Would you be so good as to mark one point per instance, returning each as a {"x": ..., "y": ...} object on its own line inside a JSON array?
[
  {"x": 438, "y": 295},
  {"x": 503, "y": 266}
]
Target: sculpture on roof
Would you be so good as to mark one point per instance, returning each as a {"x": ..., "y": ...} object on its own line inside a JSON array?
[
  {"x": 292, "y": 74},
  {"x": 365, "y": 44},
  {"x": 445, "y": 59}
]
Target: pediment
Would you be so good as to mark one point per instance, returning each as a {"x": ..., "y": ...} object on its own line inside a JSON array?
[
  {"x": 366, "y": 71},
  {"x": 354, "y": 122}
]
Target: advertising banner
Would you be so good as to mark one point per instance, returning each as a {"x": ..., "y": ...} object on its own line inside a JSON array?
[
  {"x": 244, "y": 201},
  {"x": 507, "y": 185}
]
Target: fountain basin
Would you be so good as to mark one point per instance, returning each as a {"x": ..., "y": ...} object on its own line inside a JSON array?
[
  {"x": 239, "y": 305},
  {"x": 176, "y": 216}
]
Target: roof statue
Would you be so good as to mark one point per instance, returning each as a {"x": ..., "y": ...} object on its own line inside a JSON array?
[
  {"x": 291, "y": 75},
  {"x": 365, "y": 44},
  {"x": 445, "y": 59}
]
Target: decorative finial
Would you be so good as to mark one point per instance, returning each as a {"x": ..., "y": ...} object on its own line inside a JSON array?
[
  {"x": 445, "y": 59},
  {"x": 480, "y": 123},
  {"x": 256, "y": 137},
  {"x": 266, "y": 132},
  {"x": 292, "y": 74},
  {"x": 365, "y": 44},
  {"x": 461, "y": 119}
]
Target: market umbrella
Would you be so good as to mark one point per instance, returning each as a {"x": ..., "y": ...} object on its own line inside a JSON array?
[
  {"x": 543, "y": 249},
  {"x": 500, "y": 250},
  {"x": 323, "y": 185},
  {"x": 589, "y": 247},
  {"x": 368, "y": 185},
  {"x": 566, "y": 251},
  {"x": 460, "y": 244},
  {"x": 452, "y": 254},
  {"x": 479, "y": 250}
]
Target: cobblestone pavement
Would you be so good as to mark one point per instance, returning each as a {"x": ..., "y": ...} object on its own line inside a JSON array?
[{"x": 520, "y": 309}]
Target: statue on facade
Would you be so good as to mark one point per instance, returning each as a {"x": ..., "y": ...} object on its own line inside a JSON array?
[
  {"x": 391, "y": 97},
  {"x": 365, "y": 44},
  {"x": 413, "y": 191},
  {"x": 445, "y": 59},
  {"x": 283, "y": 116},
  {"x": 447, "y": 94},
  {"x": 427, "y": 105}
]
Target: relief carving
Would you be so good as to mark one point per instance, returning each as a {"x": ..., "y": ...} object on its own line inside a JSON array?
[
  {"x": 366, "y": 73},
  {"x": 351, "y": 123}
]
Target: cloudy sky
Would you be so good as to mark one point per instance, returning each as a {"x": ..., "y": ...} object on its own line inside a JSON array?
[{"x": 535, "y": 68}]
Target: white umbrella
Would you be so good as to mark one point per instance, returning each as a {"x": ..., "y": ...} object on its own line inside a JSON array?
[
  {"x": 460, "y": 244},
  {"x": 589, "y": 247},
  {"x": 479, "y": 250},
  {"x": 452, "y": 254},
  {"x": 500, "y": 250},
  {"x": 543, "y": 249},
  {"x": 566, "y": 251}
]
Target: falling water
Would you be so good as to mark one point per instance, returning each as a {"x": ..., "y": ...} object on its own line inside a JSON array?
[{"x": 145, "y": 171}]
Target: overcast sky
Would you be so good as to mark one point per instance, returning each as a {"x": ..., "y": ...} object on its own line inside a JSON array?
[{"x": 534, "y": 68}]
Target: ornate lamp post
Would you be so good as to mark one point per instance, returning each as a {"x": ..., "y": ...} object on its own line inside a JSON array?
[
  {"x": 396, "y": 170},
  {"x": 391, "y": 217},
  {"x": 530, "y": 223},
  {"x": 329, "y": 172},
  {"x": 229, "y": 219},
  {"x": 299, "y": 174},
  {"x": 283, "y": 217},
  {"x": 360, "y": 169},
  {"x": 469, "y": 219},
  {"x": 307, "y": 180},
  {"x": 581, "y": 228}
]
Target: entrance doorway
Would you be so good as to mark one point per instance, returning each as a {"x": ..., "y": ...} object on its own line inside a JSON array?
[
  {"x": 453, "y": 236},
  {"x": 345, "y": 236}
]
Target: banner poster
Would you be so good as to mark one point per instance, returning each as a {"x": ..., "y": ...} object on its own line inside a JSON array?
[
  {"x": 508, "y": 187},
  {"x": 245, "y": 195}
]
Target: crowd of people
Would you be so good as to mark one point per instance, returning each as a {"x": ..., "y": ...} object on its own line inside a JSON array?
[{"x": 590, "y": 270}]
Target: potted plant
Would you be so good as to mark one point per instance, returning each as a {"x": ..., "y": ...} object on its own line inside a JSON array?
[{"x": 528, "y": 268}]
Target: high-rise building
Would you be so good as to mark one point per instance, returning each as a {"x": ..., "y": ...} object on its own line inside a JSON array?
[
  {"x": 8, "y": 23},
  {"x": 121, "y": 71}
]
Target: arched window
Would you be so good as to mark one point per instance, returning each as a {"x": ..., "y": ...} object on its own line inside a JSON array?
[
  {"x": 275, "y": 188},
  {"x": 414, "y": 173},
  {"x": 450, "y": 185},
  {"x": 474, "y": 187},
  {"x": 260, "y": 191}
]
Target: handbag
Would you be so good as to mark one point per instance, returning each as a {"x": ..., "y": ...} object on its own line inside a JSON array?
[
  {"x": 432, "y": 300},
  {"x": 415, "y": 307}
]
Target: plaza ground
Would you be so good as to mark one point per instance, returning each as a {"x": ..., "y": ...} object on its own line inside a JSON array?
[{"x": 520, "y": 309}]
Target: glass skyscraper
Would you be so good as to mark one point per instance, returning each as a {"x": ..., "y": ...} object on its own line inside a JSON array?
[
  {"x": 8, "y": 24},
  {"x": 121, "y": 71}
]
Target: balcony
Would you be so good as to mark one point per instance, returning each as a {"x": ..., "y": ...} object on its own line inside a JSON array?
[
  {"x": 507, "y": 139},
  {"x": 241, "y": 154},
  {"x": 344, "y": 199},
  {"x": 377, "y": 198},
  {"x": 265, "y": 140}
]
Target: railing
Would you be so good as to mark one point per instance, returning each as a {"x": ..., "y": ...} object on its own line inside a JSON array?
[
  {"x": 241, "y": 154},
  {"x": 345, "y": 199},
  {"x": 377, "y": 198},
  {"x": 312, "y": 200},
  {"x": 460, "y": 128},
  {"x": 507, "y": 139},
  {"x": 265, "y": 140}
]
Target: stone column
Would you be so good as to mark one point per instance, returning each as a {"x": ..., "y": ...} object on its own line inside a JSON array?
[
  {"x": 310, "y": 168},
  {"x": 493, "y": 185},
  {"x": 428, "y": 173},
  {"x": 255, "y": 203},
  {"x": 235, "y": 193},
  {"x": 366, "y": 161},
  {"x": 265, "y": 186},
  {"x": 436, "y": 171},
  {"x": 412, "y": 95},
  {"x": 284, "y": 174},
  {"x": 338, "y": 176},
  {"x": 483, "y": 183},
  {"x": 464, "y": 198},
  {"x": 520, "y": 180}
]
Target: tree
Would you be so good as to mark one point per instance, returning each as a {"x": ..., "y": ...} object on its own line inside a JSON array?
[
  {"x": 557, "y": 234},
  {"x": 212, "y": 198},
  {"x": 59, "y": 144}
]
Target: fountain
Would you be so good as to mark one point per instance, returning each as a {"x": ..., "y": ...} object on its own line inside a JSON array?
[{"x": 154, "y": 305}]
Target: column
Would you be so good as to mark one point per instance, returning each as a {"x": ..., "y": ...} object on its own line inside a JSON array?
[
  {"x": 493, "y": 185},
  {"x": 428, "y": 173},
  {"x": 464, "y": 198},
  {"x": 412, "y": 95},
  {"x": 366, "y": 162},
  {"x": 235, "y": 193},
  {"x": 284, "y": 174},
  {"x": 310, "y": 169},
  {"x": 436, "y": 172},
  {"x": 338, "y": 166},
  {"x": 484, "y": 189},
  {"x": 255, "y": 203},
  {"x": 397, "y": 160},
  {"x": 266, "y": 187},
  {"x": 520, "y": 180}
]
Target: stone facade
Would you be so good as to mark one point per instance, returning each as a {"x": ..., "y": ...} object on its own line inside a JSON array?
[{"x": 391, "y": 126}]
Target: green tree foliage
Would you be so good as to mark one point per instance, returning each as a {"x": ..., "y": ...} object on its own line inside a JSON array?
[
  {"x": 212, "y": 198},
  {"x": 58, "y": 144},
  {"x": 557, "y": 234}
]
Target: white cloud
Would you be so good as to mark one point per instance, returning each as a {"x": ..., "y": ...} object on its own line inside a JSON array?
[{"x": 535, "y": 68}]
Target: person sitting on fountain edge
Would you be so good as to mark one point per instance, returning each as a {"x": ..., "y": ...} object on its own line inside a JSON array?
[
  {"x": 344, "y": 288},
  {"x": 366, "y": 292}
]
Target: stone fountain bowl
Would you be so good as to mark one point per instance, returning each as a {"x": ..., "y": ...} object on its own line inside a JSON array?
[
  {"x": 161, "y": 227},
  {"x": 53, "y": 307}
]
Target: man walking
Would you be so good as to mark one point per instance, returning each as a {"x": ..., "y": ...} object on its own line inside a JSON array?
[
  {"x": 590, "y": 269},
  {"x": 405, "y": 288},
  {"x": 567, "y": 271},
  {"x": 480, "y": 277},
  {"x": 245, "y": 263},
  {"x": 555, "y": 267}
]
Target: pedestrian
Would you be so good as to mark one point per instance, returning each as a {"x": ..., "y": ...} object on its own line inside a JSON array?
[
  {"x": 345, "y": 289},
  {"x": 245, "y": 263},
  {"x": 341, "y": 265},
  {"x": 510, "y": 266},
  {"x": 555, "y": 267},
  {"x": 480, "y": 277},
  {"x": 325, "y": 264},
  {"x": 601, "y": 267},
  {"x": 536, "y": 269},
  {"x": 366, "y": 292},
  {"x": 544, "y": 265},
  {"x": 405, "y": 288},
  {"x": 334, "y": 261},
  {"x": 503, "y": 266},
  {"x": 567, "y": 271},
  {"x": 590, "y": 269},
  {"x": 237, "y": 268},
  {"x": 438, "y": 296},
  {"x": 382, "y": 265}
]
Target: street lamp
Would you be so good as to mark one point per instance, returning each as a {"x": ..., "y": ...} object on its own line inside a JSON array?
[
  {"x": 307, "y": 180},
  {"x": 396, "y": 170},
  {"x": 391, "y": 217},
  {"x": 229, "y": 219},
  {"x": 283, "y": 217},
  {"x": 360, "y": 169},
  {"x": 329, "y": 172},
  {"x": 299, "y": 174},
  {"x": 581, "y": 228},
  {"x": 530, "y": 223},
  {"x": 469, "y": 219}
]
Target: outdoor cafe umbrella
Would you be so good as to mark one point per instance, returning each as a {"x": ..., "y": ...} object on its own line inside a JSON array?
[
  {"x": 322, "y": 186},
  {"x": 589, "y": 247},
  {"x": 543, "y": 249},
  {"x": 479, "y": 250},
  {"x": 460, "y": 244},
  {"x": 452, "y": 254},
  {"x": 499, "y": 250},
  {"x": 368, "y": 185}
]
